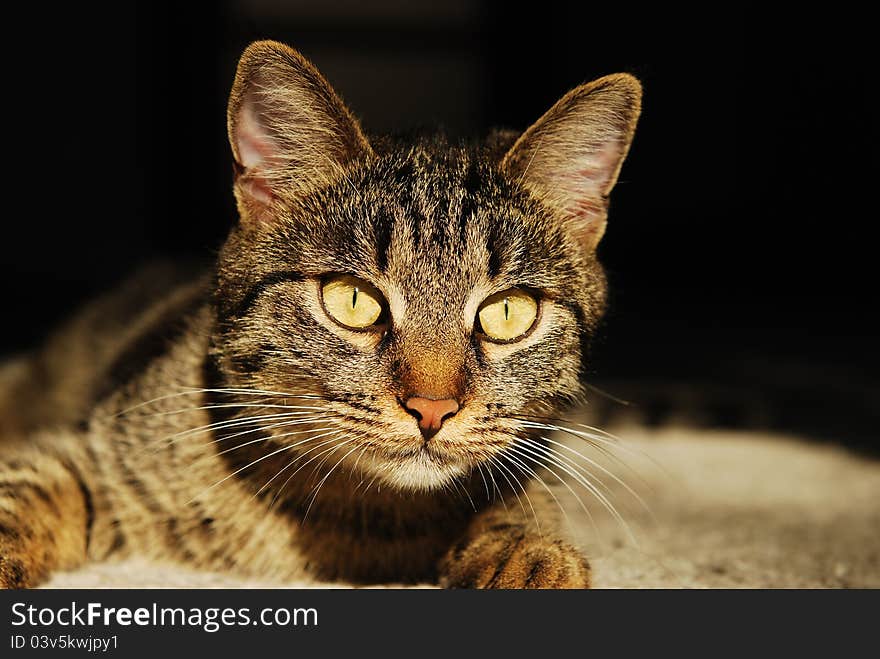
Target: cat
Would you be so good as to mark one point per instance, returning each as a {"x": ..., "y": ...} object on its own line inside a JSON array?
[{"x": 353, "y": 391}]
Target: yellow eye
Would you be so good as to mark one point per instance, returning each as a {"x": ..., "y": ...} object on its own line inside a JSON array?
[
  {"x": 351, "y": 301},
  {"x": 508, "y": 315}
]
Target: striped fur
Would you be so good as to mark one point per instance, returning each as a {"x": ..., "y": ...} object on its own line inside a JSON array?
[{"x": 228, "y": 423}]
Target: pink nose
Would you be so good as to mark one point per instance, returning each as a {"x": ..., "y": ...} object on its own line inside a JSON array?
[{"x": 431, "y": 413}]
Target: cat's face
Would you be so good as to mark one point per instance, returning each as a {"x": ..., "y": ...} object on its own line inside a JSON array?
[{"x": 430, "y": 297}]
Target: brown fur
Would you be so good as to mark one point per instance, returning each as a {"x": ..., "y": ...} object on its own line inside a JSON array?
[{"x": 136, "y": 431}]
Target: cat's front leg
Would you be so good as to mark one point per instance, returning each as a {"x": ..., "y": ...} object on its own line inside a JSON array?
[
  {"x": 45, "y": 514},
  {"x": 500, "y": 551}
]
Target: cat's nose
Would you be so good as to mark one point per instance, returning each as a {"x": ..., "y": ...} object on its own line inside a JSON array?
[{"x": 431, "y": 413}]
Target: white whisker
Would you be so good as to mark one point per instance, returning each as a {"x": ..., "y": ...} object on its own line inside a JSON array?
[
  {"x": 575, "y": 494},
  {"x": 221, "y": 406},
  {"x": 309, "y": 461},
  {"x": 515, "y": 451},
  {"x": 190, "y": 391},
  {"x": 231, "y": 423},
  {"x": 274, "y": 437},
  {"x": 615, "y": 442},
  {"x": 512, "y": 475},
  {"x": 531, "y": 473},
  {"x": 600, "y": 497},
  {"x": 610, "y": 474},
  {"x": 485, "y": 483},
  {"x": 241, "y": 469},
  {"x": 324, "y": 480}
]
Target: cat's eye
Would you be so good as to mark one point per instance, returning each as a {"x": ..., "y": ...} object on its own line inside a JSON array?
[
  {"x": 352, "y": 302},
  {"x": 508, "y": 315}
]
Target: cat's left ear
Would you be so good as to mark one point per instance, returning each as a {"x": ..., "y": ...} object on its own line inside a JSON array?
[
  {"x": 570, "y": 158},
  {"x": 290, "y": 132}
]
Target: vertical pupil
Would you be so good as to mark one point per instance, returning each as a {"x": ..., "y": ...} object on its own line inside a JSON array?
[
  {"x": 506, "y": 310},
  {"x": 354, "y": 297}
]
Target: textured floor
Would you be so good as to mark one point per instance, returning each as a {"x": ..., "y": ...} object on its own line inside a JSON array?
[{"x": 727, "y": 510}]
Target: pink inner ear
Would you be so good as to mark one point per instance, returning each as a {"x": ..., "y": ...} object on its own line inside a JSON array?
[
  {"x": 258, "y": 190},
  {"x": 254, "y": 149},
  {"x": 596, "y": 171},
  {"x": 586, "y": 209},
  {"x": 583, "y": 187},
  {"x": 254, "y": 146}
]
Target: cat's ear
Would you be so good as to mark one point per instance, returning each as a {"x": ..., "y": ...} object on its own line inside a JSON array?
[
  {"x": 290, "y": 132},
  {"x": 571, "y": 157}
]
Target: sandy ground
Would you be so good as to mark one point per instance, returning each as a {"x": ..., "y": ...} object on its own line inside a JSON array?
[
  {"x": 727, "y": 510},
  {"x": 740, "y": 510}
]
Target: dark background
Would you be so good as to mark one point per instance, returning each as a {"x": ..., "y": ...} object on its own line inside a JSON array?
[{"x": 741, "y": 240}]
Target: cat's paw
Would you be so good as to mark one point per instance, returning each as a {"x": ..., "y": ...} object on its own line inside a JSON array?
[{"x": 508, "y": 556}]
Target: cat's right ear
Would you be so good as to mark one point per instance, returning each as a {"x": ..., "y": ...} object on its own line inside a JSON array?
[{"x": 290, "y": 132}]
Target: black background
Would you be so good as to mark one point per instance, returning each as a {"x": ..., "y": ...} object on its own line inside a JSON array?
[{"x": 741, "y": 240}]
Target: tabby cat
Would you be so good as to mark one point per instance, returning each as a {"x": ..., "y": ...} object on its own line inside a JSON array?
[{"x": 350, "y": 393}]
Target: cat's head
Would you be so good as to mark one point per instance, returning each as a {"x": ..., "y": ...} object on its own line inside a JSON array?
[{"x": 430, "y": 296}]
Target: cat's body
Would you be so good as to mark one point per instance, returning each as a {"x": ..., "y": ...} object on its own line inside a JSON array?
[
  {"x": 127, "y": 488},
  {"x": 133, "y": 486},
  {"x": 387, "y": 451}
]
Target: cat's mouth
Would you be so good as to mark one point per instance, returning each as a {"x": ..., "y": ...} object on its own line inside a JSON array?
[
  {"x": 415, "y": 464},
  {"x": 430, "y": 451},
  {"x": 427, "y": 466}
]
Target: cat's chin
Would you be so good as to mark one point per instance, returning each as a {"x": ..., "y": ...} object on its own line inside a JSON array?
[{"x": 419, "y": 472}]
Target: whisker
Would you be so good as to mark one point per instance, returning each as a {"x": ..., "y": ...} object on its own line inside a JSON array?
[
  {"x": 370, "y": 484},
  {"x": 312, "y": 459},
  {"x": 495, "y": 486},
  {"x": 596, "y": 433},
  {"x": 501, "y": 465},
  {"x": 241, "y": 469},
  {"x": 611, "y": 474},
  {"x": 611, "y": 397},
  {"x": 318, "y": 466},
  {"x": 591, "y": 439},
  {"x": 247, "y": 421},
  {"x": 468, "y": 495},
  {"x": 461, "y": 492},
  {"x": 190, "y": 391},
  {"x": 263, "y": 439},
  {"x": 542, "y": 450},
  {"x": 280, "y": 424},
  {"x": 526, "y": 494},
  {"x": 297, "y": 459},
  {"x": 600, "y": 497},
  {"x": 615, "y": 442},
  {"x": 275, "y": 437},
  {"x": 575, "y": 494},
  {"x": 363, "y": 474},
  {"x": 221, "y": 406},
  {"x": 230, "y": 423},
  {"x": 529, "y": 472},
  {"x": 324, "y": 480},
  {"x": 299, "y": 456},
  {"x": 357, "y": 461},
  {"x": 483, "y": 476}
]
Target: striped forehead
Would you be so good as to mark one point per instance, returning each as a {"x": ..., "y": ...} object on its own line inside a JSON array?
[
  {"x": 439, "y": 224},
  {"x": 432, "y": 236}
]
